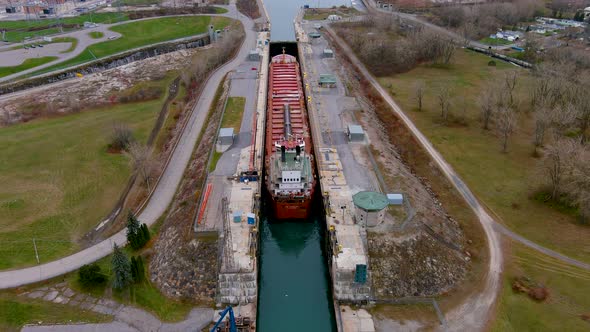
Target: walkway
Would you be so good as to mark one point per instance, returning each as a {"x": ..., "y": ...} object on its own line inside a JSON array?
[
  {"x": 166, "y": 187},
  {"x": 125, "y": 318}
]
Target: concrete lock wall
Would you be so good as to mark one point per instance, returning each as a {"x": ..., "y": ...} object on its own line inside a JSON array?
[
  {"x": 238, "y": 288},
  {"x": 105, "y": 64}
]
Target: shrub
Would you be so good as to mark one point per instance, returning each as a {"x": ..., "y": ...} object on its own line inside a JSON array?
[
  {"x": 90, "y": 275},
  {"x": 492, "y": 63},
  {"x": 121, "y": 137},
  {"x": 137, "y": 269}
]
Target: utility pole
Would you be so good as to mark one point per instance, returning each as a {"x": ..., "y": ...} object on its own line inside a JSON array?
[{"x": 36, "y": 252}]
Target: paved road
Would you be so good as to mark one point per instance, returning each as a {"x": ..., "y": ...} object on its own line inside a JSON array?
[
  {"x": 165, "y": 189},
  {"x": 471, "y": 315}
]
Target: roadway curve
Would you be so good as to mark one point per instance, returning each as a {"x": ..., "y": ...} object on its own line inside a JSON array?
[
  {"x": 497, "y": 226},
  {"x": 84, "y": 41},
  {"x": 472, "y": 315},
  {"x": 166, "y": 188}
]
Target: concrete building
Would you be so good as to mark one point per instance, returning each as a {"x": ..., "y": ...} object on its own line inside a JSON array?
[
  {"x": 355, "y": 133},
  {"x": 395, "y": 199},
  {"x": 370, "y": 207},
  {"x": 226, "y": 136},
  {"x": 327, "y": 81}
]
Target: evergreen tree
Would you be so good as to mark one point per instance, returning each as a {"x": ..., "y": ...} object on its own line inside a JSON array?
[
  {"x": 140, "y": 269},
  {"x": 132, "y": 226},
  {"x": 121, "y": 269},
  {"x": 146, "y": 233},
  {"x": 134, "y": 272}
]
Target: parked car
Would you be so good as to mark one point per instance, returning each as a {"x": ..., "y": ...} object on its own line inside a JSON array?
[
  {"x": 40, "y": 45},
  {"x": 33, "y": 46}
]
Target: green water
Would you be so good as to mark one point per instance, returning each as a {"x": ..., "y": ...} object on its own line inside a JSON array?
[{"x": 294, "y": 289}]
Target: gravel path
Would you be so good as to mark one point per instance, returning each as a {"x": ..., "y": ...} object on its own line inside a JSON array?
[
  {"x": 165, "y": 189},
  {"x": 125, "y": 318}
]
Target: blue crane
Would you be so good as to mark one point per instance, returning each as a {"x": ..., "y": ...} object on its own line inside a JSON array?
[{"x": 232, "y": 320}]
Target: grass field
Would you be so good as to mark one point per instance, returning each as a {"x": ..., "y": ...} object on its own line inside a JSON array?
[
  {"x": 143, "y": 295},
  {"x": 58, "y": 180},
  {"x": 16, "y": 312},
  {"x": 17, "y": 29},
  {"x": 141, "y": 33},
  {"x": 505, "y": 182},
  {"x": 96, "y": 34},
  {"x": 232, "y": 118},
  {"x": 495, "y": 41},
  {"x": 27, "y": 64},
  {"x": 568, "y": 289},
  {"x": 318, "y": 14}
]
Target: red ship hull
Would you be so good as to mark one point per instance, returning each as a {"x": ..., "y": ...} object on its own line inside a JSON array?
[
  {"x": 286, "y": 90},
  {"x": 285, "y": 210}
]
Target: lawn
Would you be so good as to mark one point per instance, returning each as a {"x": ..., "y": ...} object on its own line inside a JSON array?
[
  {"x": 495, "y": 41},
  {"x": 58, "y": 180},
  {"x": 16, "y": 312},
  {"x": 27, "y": 64},
  {"x": 96, "y": 34},
  {"x": 143, "y": 295},
  {"x": 568, "y": 295},
  {"x": 17, "y": 29},
  {"x": 232, "y": 118},
  {"x": 142, "y": 33},
  {"x": 504, "y": 182},
  {"x": 318, "y": 14}
]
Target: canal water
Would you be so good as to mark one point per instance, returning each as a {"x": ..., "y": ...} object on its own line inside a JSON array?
[{"x": 294, "y": 287}]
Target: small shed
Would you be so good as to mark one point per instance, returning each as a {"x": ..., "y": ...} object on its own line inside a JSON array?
[
  {"x": 237, "y": 216},
  {"x": 251, "y": 218},
  {"x": 254, "y": 55},
  {"x": 395, "y": 199},
  {"x": 328, "y": 53},
  {"x": 355, "y": 133},
  {"x": 327, "y": 81},
  {"x": 226, "y": 136},
  {"x": 370, "y": 207}
]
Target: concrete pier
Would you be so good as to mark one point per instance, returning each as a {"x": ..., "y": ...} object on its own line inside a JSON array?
[
  {"x": 233, "y": 199},
  {"x": 340, "y": 173}
]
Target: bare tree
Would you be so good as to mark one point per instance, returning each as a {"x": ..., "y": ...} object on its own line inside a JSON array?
[
  {"x": 506, "y": 122},
  {"x": 143, "y": 162},
  {"x": 562, "y": 119},
  {"x": 487, "y": 102},
  {"x": 510, "y": 80},
  {"x": 444, "y": 101},
  {"x": 543, "y": 117},
  {"x": 121, "y": 136},
  {"x": 419, "y": 88},
  {"x": 582, "y": 111},
  {"x": 578, "y": 179}
]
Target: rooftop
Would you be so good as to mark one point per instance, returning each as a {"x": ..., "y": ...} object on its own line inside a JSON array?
[
  {"x": 355, "y": 129},
  {"x": 370, "y": 200}
]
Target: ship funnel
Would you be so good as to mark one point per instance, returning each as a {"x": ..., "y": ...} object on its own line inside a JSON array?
[
  {"x": 287, "y": 121},
  {"x": 283, "y": 155}
]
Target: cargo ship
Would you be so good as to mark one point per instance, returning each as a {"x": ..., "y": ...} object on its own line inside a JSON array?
[{"x": 290, "y": 169}]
